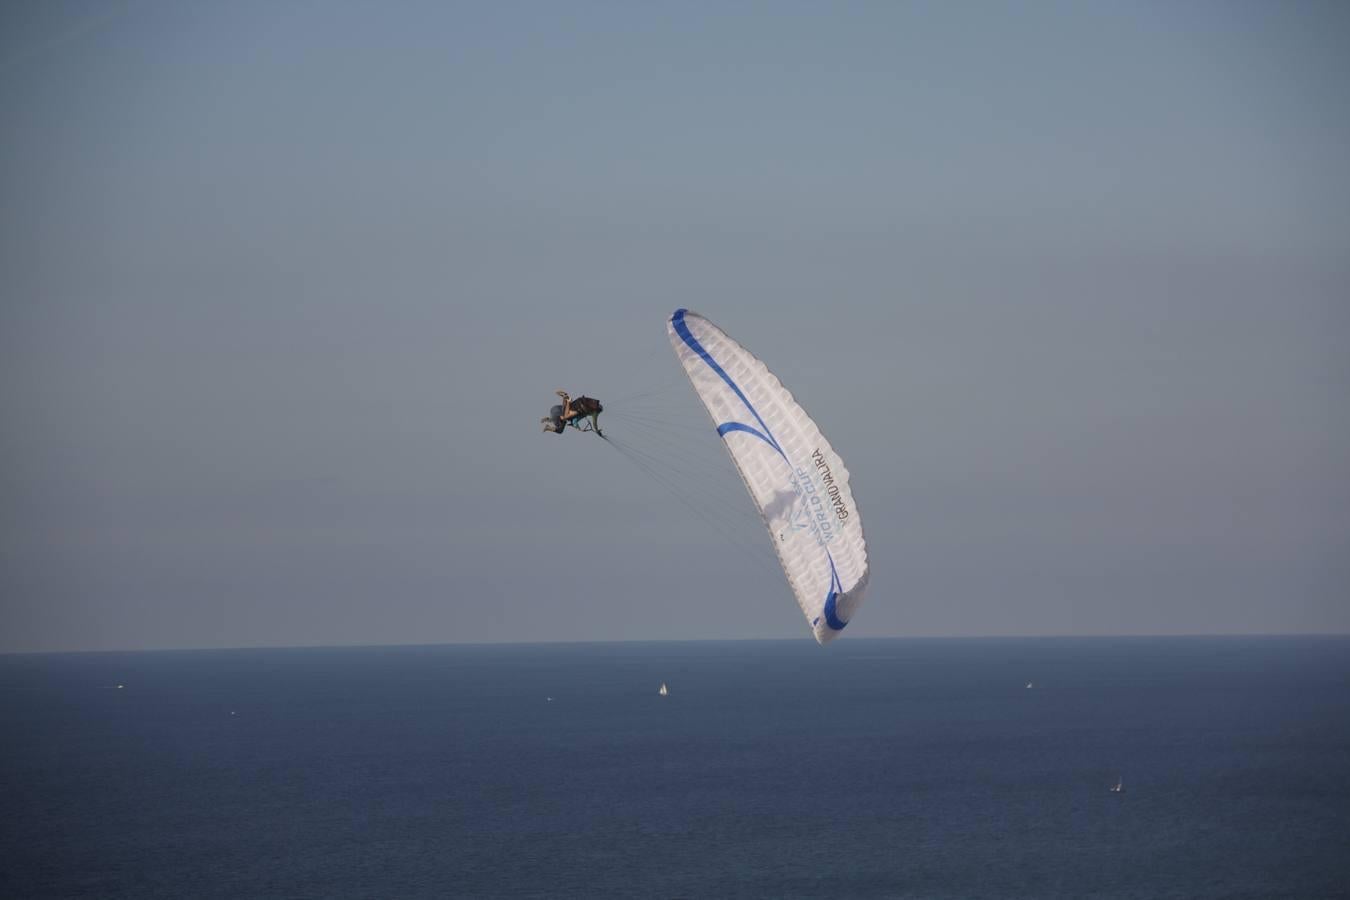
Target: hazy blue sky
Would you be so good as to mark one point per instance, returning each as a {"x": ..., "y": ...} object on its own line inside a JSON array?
[{"x": 285, "y": 287}]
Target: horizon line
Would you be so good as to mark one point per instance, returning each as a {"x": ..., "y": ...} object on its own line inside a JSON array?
[{"x": 742, "y": 640}]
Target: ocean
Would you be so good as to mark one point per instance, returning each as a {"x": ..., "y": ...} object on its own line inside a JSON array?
[{"x": 908, "y": 768}]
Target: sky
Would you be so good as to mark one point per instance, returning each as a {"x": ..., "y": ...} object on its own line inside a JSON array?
[{"x": 285, "y": 288}]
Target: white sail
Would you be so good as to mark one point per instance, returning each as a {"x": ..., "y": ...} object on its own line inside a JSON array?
[{"x": 793, "y": 475}]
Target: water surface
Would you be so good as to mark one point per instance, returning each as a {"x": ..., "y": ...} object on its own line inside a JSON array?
[{"x": 868, "y": 768}]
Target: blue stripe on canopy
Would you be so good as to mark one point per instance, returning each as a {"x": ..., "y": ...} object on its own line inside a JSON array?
[
  {"x": 831, "y": 615},
  {"x": 727, "y": 427},
  {"x": 682, "y": 329}
]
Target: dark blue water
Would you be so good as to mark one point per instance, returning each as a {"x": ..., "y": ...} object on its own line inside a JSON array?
[{"x": 905, "y": 768}]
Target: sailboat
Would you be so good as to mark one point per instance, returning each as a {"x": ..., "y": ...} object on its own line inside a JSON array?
[
  {"x": 1119, "y": 787},
  {"x": 665, "y": 691}
]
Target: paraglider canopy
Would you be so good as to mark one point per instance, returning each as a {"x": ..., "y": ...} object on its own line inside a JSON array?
[{"x": 795, "y": 479}]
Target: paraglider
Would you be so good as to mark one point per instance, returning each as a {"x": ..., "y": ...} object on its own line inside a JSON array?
[
  {"x": 797, "y": 483},
  {"x": 573, "y": 412}
]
